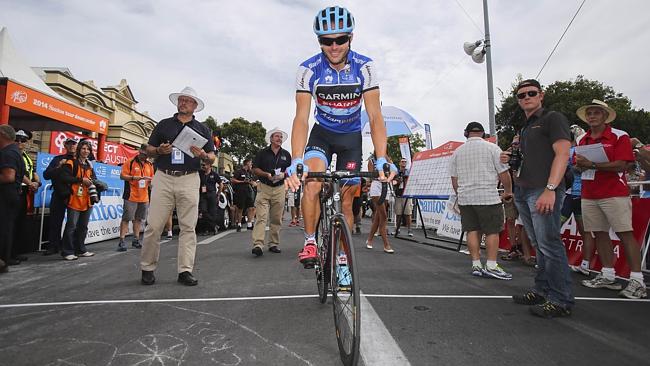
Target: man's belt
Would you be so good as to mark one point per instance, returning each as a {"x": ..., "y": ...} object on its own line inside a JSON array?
[{"x": 177, "y": 173}]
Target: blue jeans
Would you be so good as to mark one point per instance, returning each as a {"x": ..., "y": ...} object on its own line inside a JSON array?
[
  {"x": 74, "y": 235},
  {"x": 553, "y": 279}
]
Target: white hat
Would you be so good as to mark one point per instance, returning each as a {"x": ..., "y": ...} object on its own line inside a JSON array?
[
  {"x": 188, "y": 92},
  {"x": 611, "y": 113},
  {"x": 274, "y": 130}
]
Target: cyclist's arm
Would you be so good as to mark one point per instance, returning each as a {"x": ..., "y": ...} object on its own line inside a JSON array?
[
  {"x": 299, "y": 133},
  {"x": 377, "y": 127},
  {"x": 300, "y": 127}
]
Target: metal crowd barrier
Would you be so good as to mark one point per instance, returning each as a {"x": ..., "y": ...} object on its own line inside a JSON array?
[{"x": 42, "y": 208}]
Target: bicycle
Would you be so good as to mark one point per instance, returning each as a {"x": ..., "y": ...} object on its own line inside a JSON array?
[{"x": 335, "y": 268}]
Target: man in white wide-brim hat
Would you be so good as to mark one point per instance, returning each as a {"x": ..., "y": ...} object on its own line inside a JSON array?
[
  {"x": 606, "y": 199},
  {"x": 175, "y": 184},
  {"x": 269, "y": 166}
]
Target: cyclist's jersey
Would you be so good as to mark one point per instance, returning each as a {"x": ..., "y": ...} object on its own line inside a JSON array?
[{"x": 337, "y": 94}]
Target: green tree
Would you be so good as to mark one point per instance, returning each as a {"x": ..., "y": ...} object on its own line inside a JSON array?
[
  {"x": 566, "y": 97},
  {"x": 416, "y": 141},
  {"x": 242, "y": 139},
  {"x": 211, "y": 123}
]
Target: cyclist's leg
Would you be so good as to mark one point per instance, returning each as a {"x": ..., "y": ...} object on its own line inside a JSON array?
[{"x": 348, "y": 149}]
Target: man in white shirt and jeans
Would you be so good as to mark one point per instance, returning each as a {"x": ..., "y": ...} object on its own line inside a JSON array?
[{"x": 475, "y": 170}]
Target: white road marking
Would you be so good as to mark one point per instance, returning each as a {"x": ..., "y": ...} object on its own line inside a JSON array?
[
  {"x": 248, "y": 298},
  {"x": 377, "y": 347},
  {"x": 214, "y": 238}
]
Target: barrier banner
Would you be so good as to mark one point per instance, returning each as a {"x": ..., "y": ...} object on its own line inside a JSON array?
[
  {"x": 574, "y": 245},
  {"x": 107, "y": 173},
  {"x": 432, "y": 211},
  {"x": 573, "y": 241},
  {"x": 450, "y": 225},
  {"x": 104, "y": 222},
  {"x": 115, "y": 153}
]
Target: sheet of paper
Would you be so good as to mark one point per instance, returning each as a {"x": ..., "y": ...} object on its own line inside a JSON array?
[
  {"x": 187, "y": 138},
  {"x": 594, "y": 153}
]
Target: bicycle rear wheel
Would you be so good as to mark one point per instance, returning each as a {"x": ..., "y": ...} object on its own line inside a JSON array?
[{"x": 345, "y": 292}]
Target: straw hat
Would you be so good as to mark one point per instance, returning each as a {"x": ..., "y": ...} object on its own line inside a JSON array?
[
  {"x": 274, "y": 130},
  {"x": 582, "y": 111},
  {"x": 187, "y": 92}
]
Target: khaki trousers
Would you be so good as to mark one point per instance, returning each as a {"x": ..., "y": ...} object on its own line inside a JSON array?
[
  {"x": 169, "y": 192},
  {"x": 269, "y": 204}
]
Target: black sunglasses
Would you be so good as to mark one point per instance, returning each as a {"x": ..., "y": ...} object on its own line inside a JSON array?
[
  {"x": 530, "y": 93},
  {"x": 21, "y": 139},
  {"x": 330, "y": 41}
]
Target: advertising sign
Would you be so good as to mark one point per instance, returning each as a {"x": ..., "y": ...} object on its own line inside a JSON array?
[
  {"x": 115, "y": 153},
  {"x": 450, "y": 225},
  {"x": 27, "y": 99}
]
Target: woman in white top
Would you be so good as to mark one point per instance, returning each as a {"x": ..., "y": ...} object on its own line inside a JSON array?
[{"x": 379, "y": 213}]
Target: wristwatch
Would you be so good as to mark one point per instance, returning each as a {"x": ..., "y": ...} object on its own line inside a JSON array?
[{"x": 551, "y": 187}]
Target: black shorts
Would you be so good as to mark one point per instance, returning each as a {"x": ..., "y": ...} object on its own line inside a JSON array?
[
  {"x": 244, "y": 197},
  {"x": 571, "y": 205},
  {"x": 323, "y": 143}
]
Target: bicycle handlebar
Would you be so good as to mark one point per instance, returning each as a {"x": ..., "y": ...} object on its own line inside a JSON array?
[{"x": 345, "y": 174}]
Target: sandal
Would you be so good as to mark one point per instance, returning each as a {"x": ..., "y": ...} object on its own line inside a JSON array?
[
  {"x": 511, "y": 256},
  {"x": 531, "y": 262}
]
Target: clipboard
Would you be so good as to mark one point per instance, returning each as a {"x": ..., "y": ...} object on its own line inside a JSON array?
[{"x": 188, "y": 137}]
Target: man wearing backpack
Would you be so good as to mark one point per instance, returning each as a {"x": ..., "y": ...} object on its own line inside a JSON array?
[
  {"x": 136, "y": 173},
  {"x": 60, "y": 195}
]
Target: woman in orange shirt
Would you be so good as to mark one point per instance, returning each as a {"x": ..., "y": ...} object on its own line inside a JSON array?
[{"x": 78, "y": 172}]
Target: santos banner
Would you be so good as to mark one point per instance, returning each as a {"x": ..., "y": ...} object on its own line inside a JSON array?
[{"x": 105, "y": 219}]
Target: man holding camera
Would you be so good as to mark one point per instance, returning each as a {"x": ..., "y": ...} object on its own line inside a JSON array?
[
  {"x": 475, "y": 170},
  {"x": 545, "y": 141},
  {"x": 136, "y": 173},
  {"x": 403, "y": 206}
]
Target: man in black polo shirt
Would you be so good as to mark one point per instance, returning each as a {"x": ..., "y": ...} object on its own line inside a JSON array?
[
  {"x": 12, "y": 171},
  {"x": 60, "y": 195},
  {"x": 544, "y": 143},
  {"x": 270, "y": 165},
  {"x": 210, "y": 187},
  {"x": 175, "y": 184},
  {"x": 244, "y": 183}
]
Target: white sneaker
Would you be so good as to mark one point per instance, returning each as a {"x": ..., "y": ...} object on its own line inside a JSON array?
[
  {"x": 580, "y": 269},
  {"x": 70, "y": 257},
  {"x": 86, "y": 254},
  {"x": 410, "y": 234},
  {"x": 634, "y": 290}
]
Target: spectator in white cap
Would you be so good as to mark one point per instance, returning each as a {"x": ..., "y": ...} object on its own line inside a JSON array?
[
  {"x": 176, "y": 184},
  {"x": 270, "y": 166}
]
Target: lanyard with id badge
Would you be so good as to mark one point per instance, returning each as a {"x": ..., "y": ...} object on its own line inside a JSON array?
[{"x": 177, "y": 156}]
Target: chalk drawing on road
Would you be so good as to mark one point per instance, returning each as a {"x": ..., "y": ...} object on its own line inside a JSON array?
[
  {"x": 216, "y": 344},
  {"x": 151, "y": 349}
]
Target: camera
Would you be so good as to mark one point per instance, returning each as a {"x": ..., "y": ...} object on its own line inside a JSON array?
[
  {"x": 515, "y": 159},
  {"x": 94, "y": 196}
]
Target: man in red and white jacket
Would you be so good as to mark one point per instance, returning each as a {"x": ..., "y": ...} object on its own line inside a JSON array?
[{"x": 606, "y": 200}]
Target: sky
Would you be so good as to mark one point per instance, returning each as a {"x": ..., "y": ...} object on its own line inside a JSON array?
[{"x": 242, "y": 56}]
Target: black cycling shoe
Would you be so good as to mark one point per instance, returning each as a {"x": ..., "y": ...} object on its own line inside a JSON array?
[{"x": 529, "y": 298}]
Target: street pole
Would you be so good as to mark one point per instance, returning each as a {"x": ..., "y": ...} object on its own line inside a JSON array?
[{"x": 488, "y": 50}]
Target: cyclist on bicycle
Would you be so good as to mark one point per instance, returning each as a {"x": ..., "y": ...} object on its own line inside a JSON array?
[{"x": 338, "y": 79}]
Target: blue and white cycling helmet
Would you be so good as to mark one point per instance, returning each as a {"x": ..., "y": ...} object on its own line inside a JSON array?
[{"x": 332, "y": 20}]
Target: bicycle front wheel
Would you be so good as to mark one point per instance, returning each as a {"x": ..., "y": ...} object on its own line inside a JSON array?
[{"x": 345, "y": 292}]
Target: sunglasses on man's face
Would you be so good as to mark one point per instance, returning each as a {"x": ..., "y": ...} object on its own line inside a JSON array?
[
  {"x": 21, "y": 139},
  {"x": 530, "y": 93},
  {"x": 330, "y": 41}
]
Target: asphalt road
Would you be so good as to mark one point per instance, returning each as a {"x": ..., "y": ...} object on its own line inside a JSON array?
[{"x": 421, "y": 307}]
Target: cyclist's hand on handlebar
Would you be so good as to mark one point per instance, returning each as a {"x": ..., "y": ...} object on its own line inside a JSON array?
[
  {"x": 295, "y": 175},
  {"x": 380, "y": 166}
]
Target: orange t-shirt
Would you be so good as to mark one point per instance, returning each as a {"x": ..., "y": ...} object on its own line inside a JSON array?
[
  {"x": 137, "y": 190},
  {"x": 79, "y": 199}
]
